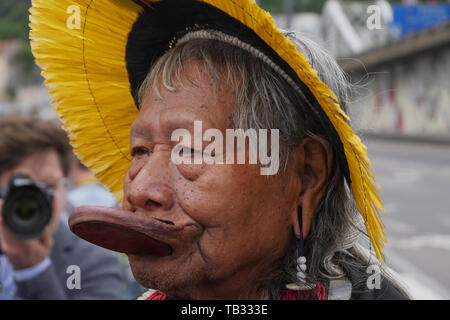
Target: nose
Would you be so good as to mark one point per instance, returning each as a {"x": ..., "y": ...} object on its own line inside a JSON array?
[
  {"x": 152, "y": 197},
  {"x": 149, "y": 189}
]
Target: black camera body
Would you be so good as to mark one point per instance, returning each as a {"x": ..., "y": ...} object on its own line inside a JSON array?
[{"x": 27, "y": 207}]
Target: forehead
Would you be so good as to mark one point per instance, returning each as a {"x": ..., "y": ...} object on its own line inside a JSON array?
[
  {"x": 41, "y": 167},
  {"x": 196, "y": 96}
]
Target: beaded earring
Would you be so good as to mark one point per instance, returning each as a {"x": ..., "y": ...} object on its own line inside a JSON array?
[{"x": 301, "y": 261}]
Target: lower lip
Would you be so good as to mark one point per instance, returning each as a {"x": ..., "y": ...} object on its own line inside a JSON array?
[{"x": 120, "y": 231}]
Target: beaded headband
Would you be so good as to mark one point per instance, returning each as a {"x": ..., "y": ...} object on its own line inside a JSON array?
[{"x": 234, "y": 41}]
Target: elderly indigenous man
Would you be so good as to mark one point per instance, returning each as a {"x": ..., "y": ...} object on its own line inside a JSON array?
[
  {"x": 137, "y": 72},
  {"x": 42, "y": 266}
]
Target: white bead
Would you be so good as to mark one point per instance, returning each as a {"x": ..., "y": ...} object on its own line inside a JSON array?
[
  {"x": 301, "y": 275},
  {"x": 301, "y": 267},
  {"x": 301, "y": 260},
  {"x": 292, "y": 286},
  {"x": 298, "y": 286}
]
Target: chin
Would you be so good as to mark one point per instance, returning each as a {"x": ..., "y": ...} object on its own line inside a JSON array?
[{"x": 169, "y": 276}]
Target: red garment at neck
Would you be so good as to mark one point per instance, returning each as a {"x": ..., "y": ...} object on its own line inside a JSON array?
[{"x": 318, "y": 293}]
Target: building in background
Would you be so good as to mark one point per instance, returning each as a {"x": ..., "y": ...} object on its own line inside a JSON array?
[
  {"x": 403, "y": 67},
  {"x": 409, "y": 19},
  {"x": 400, "y": 63},
  {"x": 407, "y": 88}
]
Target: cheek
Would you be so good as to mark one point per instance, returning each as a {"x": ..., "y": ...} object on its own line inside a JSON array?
[
  {"x": 247, "y": 246},
  {"x": 57, "y": 205},
  {"x": 223, "y": 196},
  {"x": 241, "y": 212},
  {"x": 210, "y": 194},
  {"x": 58, "y": 200}
]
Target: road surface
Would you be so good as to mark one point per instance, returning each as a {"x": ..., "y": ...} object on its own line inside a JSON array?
[{"x": 415, "y": 178}]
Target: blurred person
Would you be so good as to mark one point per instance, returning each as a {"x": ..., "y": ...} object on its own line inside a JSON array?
[
  {"x": 87, "y": 190},
  {"x": 39, "y": 268}
]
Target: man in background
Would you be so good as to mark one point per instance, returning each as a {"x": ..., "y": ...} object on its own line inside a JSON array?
[
  {"x": 41, "y": 268},
  {"x": 87, "y": 190}
]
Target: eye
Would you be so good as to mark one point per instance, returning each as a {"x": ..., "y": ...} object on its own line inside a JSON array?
[{"x": 139, "y": 151}]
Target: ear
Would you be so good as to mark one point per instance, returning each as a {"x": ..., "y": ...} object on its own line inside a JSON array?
[{"x": 313, "y": 166}]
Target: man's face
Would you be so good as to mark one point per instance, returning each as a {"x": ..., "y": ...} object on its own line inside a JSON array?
[
  {"x": 235, "y": 220},
  {"x": 43, "y": 167}
]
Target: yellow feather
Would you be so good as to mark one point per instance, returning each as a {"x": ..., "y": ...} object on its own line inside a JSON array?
[{"x": 86, "y": 71}]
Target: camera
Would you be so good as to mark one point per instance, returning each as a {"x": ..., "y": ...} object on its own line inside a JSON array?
[{"x": 27, "y": 206}]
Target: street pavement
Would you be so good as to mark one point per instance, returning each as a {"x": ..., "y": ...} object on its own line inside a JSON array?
[{"x": 415, "y": 178}]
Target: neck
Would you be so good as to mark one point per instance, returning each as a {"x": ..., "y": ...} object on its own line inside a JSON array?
[{"x": 249, "y": 284}]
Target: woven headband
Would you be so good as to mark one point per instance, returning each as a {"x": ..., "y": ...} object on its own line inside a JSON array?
[{"x": 234, "y": 41}]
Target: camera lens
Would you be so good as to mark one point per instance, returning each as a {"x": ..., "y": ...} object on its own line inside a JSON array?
[
  {"x": 25, "y": 209},
  {"x": 27, "y": 212}
]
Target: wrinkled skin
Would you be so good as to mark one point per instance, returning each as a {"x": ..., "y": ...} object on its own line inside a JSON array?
[{"x": 236, "y": 223}]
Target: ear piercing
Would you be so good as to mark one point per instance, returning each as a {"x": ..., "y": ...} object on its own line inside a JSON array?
[{"x": 301, "y": 261}]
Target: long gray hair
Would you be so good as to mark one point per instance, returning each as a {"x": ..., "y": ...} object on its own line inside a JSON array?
[{"x": 264, "y": 100}]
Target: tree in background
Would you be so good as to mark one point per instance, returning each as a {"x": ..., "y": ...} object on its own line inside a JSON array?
[
  {"x": 14, "y": 19},
  {"x": 14, "y": 25}
]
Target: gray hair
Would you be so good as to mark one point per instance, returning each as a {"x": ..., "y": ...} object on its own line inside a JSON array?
[{"x": 265, "y": 100}]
